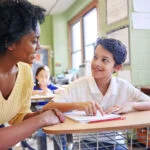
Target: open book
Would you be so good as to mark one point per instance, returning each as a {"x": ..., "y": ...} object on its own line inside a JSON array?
[{"x": 80, "y": 116}]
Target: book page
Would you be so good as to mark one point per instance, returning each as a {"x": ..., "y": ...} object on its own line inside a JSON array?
[{"x": 80, "y": 116}]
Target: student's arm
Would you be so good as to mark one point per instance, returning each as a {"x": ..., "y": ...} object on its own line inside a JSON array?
[
  {"x": 128, "y": 107},
  {"x": 123, "y": 108},
  {"x": 13, "y": 134},
  {"x": 136, "y": 100},
  {"x": 142, "y": 106},
  {"x": 89, "y": 107}
]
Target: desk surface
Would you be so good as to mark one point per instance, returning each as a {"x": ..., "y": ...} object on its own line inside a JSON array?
[
  {"x": 133, "y": 120},
  {"x": 42, "y": 97}
]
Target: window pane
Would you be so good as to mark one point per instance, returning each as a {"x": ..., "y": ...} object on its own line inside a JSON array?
[
  {"x": 76, "y": 60},
  {"x": 90, "y": 33},
  {"x": 89, "y": 53},
  {"x": 90, "y": 27},
  {"x": 76, "y": 37}
]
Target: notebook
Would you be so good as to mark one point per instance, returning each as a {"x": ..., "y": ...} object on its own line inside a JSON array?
[{"x": 80, "y": 116}]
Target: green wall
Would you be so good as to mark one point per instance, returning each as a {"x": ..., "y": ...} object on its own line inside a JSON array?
[
  {"x": 47, "y": 32},
  {"x": 140, "y": 54},
  {"x": 60, "y": 43},
  {"x": 46, "y": 39}
]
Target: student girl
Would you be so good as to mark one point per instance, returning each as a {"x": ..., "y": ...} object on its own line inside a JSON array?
[{"x": 42, "y": 82}]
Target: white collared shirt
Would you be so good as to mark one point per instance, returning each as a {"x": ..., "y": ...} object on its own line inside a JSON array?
[
  {"x": 119, "y": 92},
  {"x": 85, "y": 89}
]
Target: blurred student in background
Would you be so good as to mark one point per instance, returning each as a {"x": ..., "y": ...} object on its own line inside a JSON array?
[{"x": 43, "y": 86}]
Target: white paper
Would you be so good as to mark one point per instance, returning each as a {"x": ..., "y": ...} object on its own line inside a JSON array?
[
  {"x": 141, "y": 5},
  {"x": 141, "y": 20},
  {"x": 80, "y": 116}
]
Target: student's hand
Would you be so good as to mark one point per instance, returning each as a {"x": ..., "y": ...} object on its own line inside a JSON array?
[
  {"x": 118, "y": 109},
  {"x": 51, "y": 117},
  {"x": 90, "y": 107}
]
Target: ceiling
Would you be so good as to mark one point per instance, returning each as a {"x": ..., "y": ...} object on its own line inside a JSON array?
[{"x": 54, "y": 6}]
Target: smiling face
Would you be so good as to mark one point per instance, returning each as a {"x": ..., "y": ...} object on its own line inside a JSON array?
[
  {"x": 103, "y": 63},
  {"x": 25, "y": 49}
]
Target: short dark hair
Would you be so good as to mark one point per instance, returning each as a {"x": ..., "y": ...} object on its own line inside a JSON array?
[
  {"x": 17, "y": 18},
  {"x": 116, "y": 47}
]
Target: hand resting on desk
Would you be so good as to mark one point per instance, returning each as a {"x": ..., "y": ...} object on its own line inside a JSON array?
[
  {"x": 119, "y": 109},
  {"x": 90, "y": 107},
  {"x": 52, "y": 116}
]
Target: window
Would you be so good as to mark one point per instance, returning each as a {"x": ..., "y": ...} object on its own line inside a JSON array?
[
  {"x": 76, "y": 45},
  {"x": 83, "y": 33},
  {"x": 90, "y": 33}
]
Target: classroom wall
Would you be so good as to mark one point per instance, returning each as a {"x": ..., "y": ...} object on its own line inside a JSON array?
[
  {"x": 46, "y": 39},
  {"x": 140, "y": 53},
  {"x": 60, "y": 43},
  {"x": 47, "y": 32}
]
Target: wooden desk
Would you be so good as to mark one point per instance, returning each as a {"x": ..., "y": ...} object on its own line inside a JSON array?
[
  {"x": 133, "y": 120},
  {"x": 41, "y": 98}
]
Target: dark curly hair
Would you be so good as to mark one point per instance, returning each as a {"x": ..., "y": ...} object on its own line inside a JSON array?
[
  {"x": 116, "y": 47},
  {"x": 17, "y": 18}
]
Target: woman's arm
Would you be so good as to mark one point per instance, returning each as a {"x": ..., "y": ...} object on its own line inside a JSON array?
[{"x": 15, "y": 133}]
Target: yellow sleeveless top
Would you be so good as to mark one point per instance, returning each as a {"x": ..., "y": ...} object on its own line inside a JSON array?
[{"x": 18, "y": 103}]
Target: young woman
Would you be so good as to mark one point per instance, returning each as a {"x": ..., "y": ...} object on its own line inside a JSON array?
[{"x": 19, "y": 40}]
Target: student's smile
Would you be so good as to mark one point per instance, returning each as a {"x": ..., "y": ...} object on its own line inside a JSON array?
[{"x": 97, "y": 69}]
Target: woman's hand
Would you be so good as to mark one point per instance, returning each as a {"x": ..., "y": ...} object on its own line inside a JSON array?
[
  {"x": 118, "y": 109},
  {"x": 90, "y": 107},
  {"x": 51, "y": 117}
]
